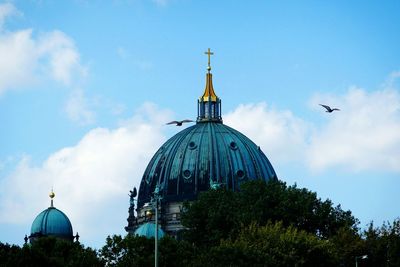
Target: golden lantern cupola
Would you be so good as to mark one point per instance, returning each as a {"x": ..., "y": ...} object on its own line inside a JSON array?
[{"x": 209, "y": 104}]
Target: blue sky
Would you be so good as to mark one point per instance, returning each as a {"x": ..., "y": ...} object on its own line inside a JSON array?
[{"x": 87, "y": 86}]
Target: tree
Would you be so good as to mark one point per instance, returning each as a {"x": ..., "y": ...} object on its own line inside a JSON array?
[
  {"x": 275, "y": 201},
  {"x": 383, "y": 244},
  {"x": 176, "y": 253},
  {"x": 220, "y": 214},
  {"x": 212, "y": 217},
  {"x": 135, "y": 250},
  {"x": 348, "y": 245},
  {"x": 10, "y": 255},
  {"x": 128, "y": 251},
  {"x": 271, "y": 245},
  {"x": 48, "y": 251}
]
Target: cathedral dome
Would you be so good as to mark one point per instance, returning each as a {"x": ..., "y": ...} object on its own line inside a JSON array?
[
  {"x": 202, "y": 156},
  {"x": 52, "y": 222},
  {"x": 206, "y": 155}
]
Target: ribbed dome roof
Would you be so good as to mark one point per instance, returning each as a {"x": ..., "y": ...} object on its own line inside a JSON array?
[
  {"x": 208, "y": 154},
  {"x": 148, "y": 230},
  {"x": 52, "y": 222},
  {"x": 202, "y": 155}
]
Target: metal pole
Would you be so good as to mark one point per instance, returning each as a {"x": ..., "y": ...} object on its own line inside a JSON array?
[
  {"x": 356, "y": 262},
  {"x": 156, "y": 241}
]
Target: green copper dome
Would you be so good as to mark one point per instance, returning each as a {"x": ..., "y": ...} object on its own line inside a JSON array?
[
  {"x": 200, "y": 157},
  {"x": 148, "y": 230},
  {"x": 52, "y": 222},
  {"x": 206, "y": 155}
]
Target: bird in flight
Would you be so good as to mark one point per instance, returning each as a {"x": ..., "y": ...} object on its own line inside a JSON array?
[
  {"x": 179, "y": 123},
  {"x": 328, "y": 108}
]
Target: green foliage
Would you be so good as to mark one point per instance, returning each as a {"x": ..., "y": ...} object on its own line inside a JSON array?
[
  {"x": 139, "y": 251},
  {"x": 48, "y": 251},
  {"x": 272, "y": 245},
  {"x": 220, "y": 214},
  {"x": 383, "y": 244},
  {"x": 176, "y": 253},
  {"x": 348, "y": 244},
  {"x": 265, "y": 224},
  {"x": 10, "y": 255},
  {"x": 211, "y": 218},
  {"x": 275, "y": 201},
  {"x": 128, "y": 251},
  {"x": 294, "y": 226}
]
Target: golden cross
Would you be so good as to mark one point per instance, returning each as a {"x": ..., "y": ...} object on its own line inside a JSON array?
[{"x": 209, "y": 53}]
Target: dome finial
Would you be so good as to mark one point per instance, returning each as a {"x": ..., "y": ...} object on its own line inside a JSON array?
[
  {"x": 52, "y": 195},
  {"x": 209, "y": 53},
  {"x": 209, "y": 105}
]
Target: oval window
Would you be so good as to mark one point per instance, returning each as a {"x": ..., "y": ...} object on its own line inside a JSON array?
[
  {"x": 240, "y": 174},
  {"x": 233, "y": 145},
  {"x": 187, "y": 174},
  {"x": 192, "y": 145}
]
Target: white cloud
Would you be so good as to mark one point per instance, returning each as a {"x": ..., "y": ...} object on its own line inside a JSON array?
[
  {"x": 364, "y": 135},
  {"x": 18, "y": 59},
  {"x": 91, "y": 179},
  {"x": 79, "y": 109},
  {"x": 280, "y": 134},
  {"x": 392, "y": 82},
  {"x": 63, "y": 57},
  {"x": 7, "y": 10},
  {"x": 26, "y": 58}
]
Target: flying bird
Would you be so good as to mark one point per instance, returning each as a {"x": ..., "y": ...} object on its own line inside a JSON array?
[
  {"x": 179, "y": 123},
  {"x": 328, "y": 108}
]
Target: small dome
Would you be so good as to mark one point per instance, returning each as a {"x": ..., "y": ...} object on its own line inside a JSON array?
[
  {"x": 148, "y": 230},
  {"x": 52, "y": 222}
]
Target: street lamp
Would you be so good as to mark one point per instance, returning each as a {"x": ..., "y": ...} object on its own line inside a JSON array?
[
  {"x": 155, "y": 200},
  {"x": 149, "y": 214},
  {"x": 363, "y": 257}
]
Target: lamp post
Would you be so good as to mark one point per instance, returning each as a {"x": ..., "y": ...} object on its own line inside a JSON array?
[
  {"x": 155, "y": 201},
  {"x": 363, "y": 257}
]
